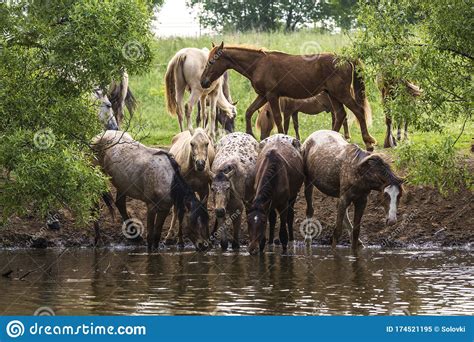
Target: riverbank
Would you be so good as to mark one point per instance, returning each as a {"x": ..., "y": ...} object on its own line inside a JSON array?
[{"x": 425, "y": 217}]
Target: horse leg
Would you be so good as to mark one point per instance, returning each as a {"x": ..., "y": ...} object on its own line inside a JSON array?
[
  {"x": 399, "y": 130},
  {"x": 272, "y": 219},
  {"x": 294, "y": 117},
  {"x": 202, "y": 102},
  {"x": 97, "y": 225},
  {"x": 308, "y": 195},
  {"x": 150, "y": 224},
  {"x": 171, "y": 235},
  {"x": 359, "y": 112},
  {"x": 211, "y": 124},
  {"x": 254, "y": 106},
  {"x": 198, "y": 117},
  {"x": 339, "y": 116},
  {"x": 286, "y": 122},
  {"x": 189, "y": 108},
  {"x": 121, "y": 204},
  {"x": 290, "y": 218},
  {"x": 275, "y": 105},
  {"x": 405, "y": 130},
  {"x": 159, "y": 221},
  {"x": 389, "y": 138},
  {"x": 359, "y": 207},
  {"x": 283, "y": 232},
  {"x": 236, "y": 228},
  {"x": 342, "y": 205}
]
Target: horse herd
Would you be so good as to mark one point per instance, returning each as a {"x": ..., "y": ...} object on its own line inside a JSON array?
[{"x": 242, "y": 175}]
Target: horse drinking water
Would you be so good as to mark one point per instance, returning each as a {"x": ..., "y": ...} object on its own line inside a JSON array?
[{"x": 343, "y": 170}]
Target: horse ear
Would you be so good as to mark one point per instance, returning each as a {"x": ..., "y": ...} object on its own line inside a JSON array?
[
  {"x": 364, "y": 165},
  {"x": 235, "y": 103},
  {"x": 221, "y": 46},
  {"x": 204, "y": 200},
  {"x": 213, "y": 45},
  {"x": 296, "y": 144},
  {"x": 230, "y": 172}
]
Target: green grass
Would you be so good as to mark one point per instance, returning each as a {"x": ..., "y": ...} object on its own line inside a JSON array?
[{"x": 159, "y": 127}]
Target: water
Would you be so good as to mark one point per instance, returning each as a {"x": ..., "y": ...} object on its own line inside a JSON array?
[{"x": 305, "y": 282}]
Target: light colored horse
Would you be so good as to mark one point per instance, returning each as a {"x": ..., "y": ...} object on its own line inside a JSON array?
[
  {"x": 233, "y": 174},
  {"x": 184, "y": 72},
  {"x": 120, "y": 97},
  {"x": 194, "y": 153},
  {"x": 342, "y": 170},
  {"x": 105, "y": 113},
  {"x": 152, "y": 176}
]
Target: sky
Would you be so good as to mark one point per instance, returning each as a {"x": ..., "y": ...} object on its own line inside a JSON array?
[{"x": 175, "y": 19}]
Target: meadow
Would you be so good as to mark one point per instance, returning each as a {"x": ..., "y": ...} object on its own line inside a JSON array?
[{"x": 157, "y": 127}]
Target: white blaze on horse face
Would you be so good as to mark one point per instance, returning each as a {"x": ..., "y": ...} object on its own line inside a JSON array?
[{"x": 393, "y": 192}]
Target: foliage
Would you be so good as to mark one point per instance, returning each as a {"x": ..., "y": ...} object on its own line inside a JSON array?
[
  {"x": 436, "y": 164},
  {"x": 424, "y": 42},
  {"x": 271, "y": 15},
  {"x": 52, "y": 54}
]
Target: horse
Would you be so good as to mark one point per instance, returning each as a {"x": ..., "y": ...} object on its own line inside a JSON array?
[
  {"x": 345, "y": 171},
  {"x": 105, "y": 114},
  {"x": 278, "y": 179},
  {"x": 290, "y": 108},
  {"x": 387, "y": 91},
  {"x": 184, "y": 71},
  {"x": 228, "y": 124},
  {"x": 275, "y": 74},
  {"x": 194, "y": 153},
  {"x": 120, "y": 97},
  {"x": 233, "y": 173},
  {"x": 152, "y": 176}
]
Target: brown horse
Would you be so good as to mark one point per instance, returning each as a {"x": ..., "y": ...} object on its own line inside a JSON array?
[
  {"x": 276, "y": 74},
  {"x": 278, "y": 179},
  {"x": 290, "y": 108},
  {"x": 387, "y": 90},
  {"x": 343, "y": 170}
]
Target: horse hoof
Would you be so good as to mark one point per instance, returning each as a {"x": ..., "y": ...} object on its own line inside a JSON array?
[
  {"x": 224, "y": 245},
  {"x": 235, "y": 245},
  {"x": 169, "y": 242},
  {"x": 277, "y": 242}
]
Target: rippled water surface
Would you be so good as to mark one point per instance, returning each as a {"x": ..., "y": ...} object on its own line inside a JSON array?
[{"x": 304, "y": 282}]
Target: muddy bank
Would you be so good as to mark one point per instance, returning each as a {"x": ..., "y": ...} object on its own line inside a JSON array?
[{"x": 425, "y": 217}]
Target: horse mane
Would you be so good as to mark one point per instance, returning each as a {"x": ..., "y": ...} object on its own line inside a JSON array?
[
  {"x": 245, "y": 47},
  {"x": 181, "y": 192},
  {"x": 268, "y": 179}
]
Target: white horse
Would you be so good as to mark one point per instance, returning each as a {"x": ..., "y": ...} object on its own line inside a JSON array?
[
  {"x": 105, "y": 113},
  {"x": 184, "y": 72}
]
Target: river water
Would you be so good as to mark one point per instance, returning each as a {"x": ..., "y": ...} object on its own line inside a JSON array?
[{"x": 315, "y": 281}]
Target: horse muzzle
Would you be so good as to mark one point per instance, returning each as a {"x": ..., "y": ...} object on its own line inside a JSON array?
[
  {"x": 206, "y": 83},
  {"x": 390, "y": 221},
  {"x": 200, "y": 165},
  {"x": 220, "y": 212}
]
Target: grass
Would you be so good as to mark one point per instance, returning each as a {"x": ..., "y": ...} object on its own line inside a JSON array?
[{"x": 160, "y": 127}]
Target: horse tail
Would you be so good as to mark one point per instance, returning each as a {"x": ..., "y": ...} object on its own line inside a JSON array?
[
  {"x": 359, "y": 91},
  {"x": 108, "y": 200},
  {"x": 170, "y": 84},
  {"x": 130, "y": 101}
]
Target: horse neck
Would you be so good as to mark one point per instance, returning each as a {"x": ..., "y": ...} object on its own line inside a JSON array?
[
  {"x": 267, "y": 181},
  {"x": 243, "y": 61}
]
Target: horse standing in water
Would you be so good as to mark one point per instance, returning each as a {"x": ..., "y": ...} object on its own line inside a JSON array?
[
  {"x": 194, "y": 153},
  {"x": 233, "y": 173},
  {"x": 152, "y": 176},
  {"x": 290, "y": 108},
  {"x": 342, "y": 170},
  {"x": 278, "y": 179},
  {"x": 276, "y": 74},
  {"x": 184, "y": 72}
]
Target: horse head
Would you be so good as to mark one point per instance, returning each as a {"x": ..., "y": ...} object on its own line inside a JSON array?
[
  {"x": 105, "y": 114},
  {"x": 222, "y": 188},
  {"x": 215, "y": 66},
  {"x": 200, "y": 149}
]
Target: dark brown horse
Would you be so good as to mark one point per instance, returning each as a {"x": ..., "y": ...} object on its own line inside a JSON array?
[
  {"x": 276, "y": 74},
  {"x": 342, "y": 170},
  {"x": 387, "y": 90},
  {"x": 290, "y": 108},
  {"x": 278, "y": 180}
]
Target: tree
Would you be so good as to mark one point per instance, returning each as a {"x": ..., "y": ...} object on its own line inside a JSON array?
[
  {"x": 428, "y": 43},
  {"x": 266, "y": 15},
  {"x": 52, "y": 54}
]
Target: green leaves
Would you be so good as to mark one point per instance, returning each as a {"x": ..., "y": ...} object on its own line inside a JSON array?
[{"x": 52, "y": 55}]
